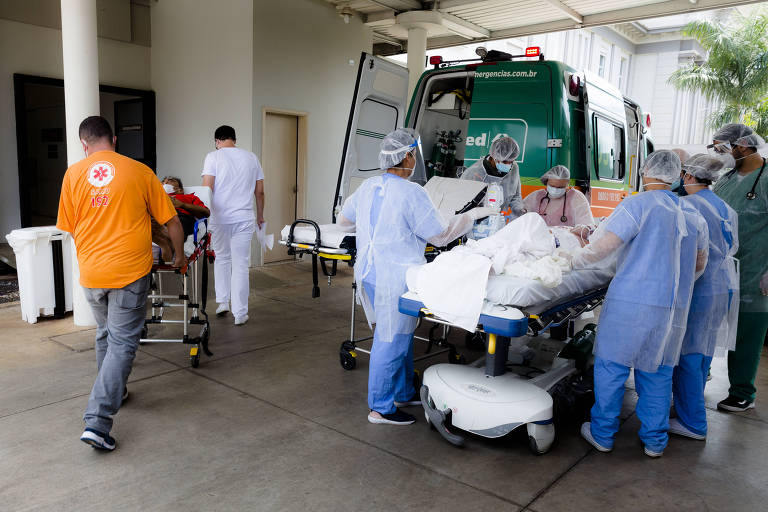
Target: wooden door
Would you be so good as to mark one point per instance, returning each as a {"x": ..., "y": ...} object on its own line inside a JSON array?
[{"x": 279, "y": 159}]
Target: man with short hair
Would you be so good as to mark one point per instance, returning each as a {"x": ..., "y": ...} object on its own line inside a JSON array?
[
  {"x": 235, "y": 177},
  {"x": 106, "y": 202}
]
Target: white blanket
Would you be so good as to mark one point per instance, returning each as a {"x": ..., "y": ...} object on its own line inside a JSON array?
[{"x": 454, "y": 284}]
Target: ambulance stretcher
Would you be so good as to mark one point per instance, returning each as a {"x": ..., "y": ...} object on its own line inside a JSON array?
[
  {"x": 192, "y": 292},
  {"x": 492, "y": 401},
  {"x": 328, "y": 246}
]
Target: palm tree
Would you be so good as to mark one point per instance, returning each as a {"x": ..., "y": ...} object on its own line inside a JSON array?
[{"x": 735, "y": 74}]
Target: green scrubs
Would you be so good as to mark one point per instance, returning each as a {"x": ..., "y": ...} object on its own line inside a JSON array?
[{"x": 753, "y": 263}]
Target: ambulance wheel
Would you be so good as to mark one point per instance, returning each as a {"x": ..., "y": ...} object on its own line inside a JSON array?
[
  {"x": 194, "y": 360},
  {"x": 347, "y": 360}
]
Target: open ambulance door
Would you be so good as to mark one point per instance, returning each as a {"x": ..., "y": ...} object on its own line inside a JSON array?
[
  {"x": 378, "y": 107},
  {"x": 607, "y": 160}
]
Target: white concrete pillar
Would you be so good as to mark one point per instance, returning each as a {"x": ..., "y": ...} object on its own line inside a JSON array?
[
  {"x": 81, "y": 99},
  {"x": 81, "y": 69},
  {"x": 417, "y": 52}
]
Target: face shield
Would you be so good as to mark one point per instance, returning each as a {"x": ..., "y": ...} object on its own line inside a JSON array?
[
  {"x": 719, "y": 148},
  {"x": 420, "y": 169}
]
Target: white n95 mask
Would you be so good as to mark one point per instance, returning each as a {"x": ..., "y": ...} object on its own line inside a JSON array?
[
  {"x": 555, "y": 192},
  {"x": 168, "y": 188}
]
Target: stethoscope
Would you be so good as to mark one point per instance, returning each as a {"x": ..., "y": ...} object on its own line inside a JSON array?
[
  {"x": 563, "y": 218},
  {"x": 751, "y": 195}
]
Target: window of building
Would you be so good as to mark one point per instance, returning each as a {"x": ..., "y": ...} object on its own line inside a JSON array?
[
  {"x": 609, "y": 149},
  {"x": 622, "y": 72},
  {"x": 601, "y": 65}
]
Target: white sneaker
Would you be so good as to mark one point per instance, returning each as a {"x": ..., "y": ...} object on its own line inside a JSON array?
[
  {"x": 652, "y": 454},
  {"x": 240, "y": 320},
  {"x": 586, "y": 433},
  {"x": 222, "y": 310},
  {"x": 675, "y": 427}
]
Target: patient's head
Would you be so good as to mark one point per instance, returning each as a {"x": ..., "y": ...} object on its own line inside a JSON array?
[{"x": 178, "y": 187}]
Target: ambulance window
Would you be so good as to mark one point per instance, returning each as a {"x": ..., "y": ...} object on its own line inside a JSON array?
[
  {"x": 609, "y": 149},
  {"x": 375, "y": 121}
]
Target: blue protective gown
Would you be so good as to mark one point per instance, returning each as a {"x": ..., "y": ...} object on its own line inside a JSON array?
[
  {"x": 393, "y": 219},
  {"x": 655, "y": 272},
  {"x": 712, "y": 297}
]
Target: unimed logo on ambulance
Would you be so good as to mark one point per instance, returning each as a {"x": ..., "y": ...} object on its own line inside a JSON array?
[{"x": 483, "y": 140}]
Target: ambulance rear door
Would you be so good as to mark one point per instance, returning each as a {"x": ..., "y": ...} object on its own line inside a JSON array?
[
  {"x": 379, "y": 106},
  {"x": 607, "y": 158}
]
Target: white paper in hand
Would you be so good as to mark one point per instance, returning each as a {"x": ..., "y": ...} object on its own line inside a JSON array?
[{"x": 266, "y": 241}]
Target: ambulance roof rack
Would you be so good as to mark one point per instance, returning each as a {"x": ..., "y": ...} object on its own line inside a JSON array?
[{"x": 487, "y": 56}]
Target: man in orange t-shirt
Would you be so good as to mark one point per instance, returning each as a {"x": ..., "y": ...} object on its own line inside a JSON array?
[{"x": 106, "y": 202}]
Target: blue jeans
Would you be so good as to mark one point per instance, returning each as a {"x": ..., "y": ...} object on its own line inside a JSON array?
[
  {"x": 654, "y": 392},
  {"x": 119, "y": 314},
  {"x": 688, "y": 383},
  {"x": 390, "y": 370}
]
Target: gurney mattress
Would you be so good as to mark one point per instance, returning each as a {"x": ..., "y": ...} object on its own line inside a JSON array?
[
  {"x": 331, "y": 235},
  {"x": 527, "y": 293}
]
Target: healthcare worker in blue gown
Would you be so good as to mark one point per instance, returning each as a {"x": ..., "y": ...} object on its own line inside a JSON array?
[
  {"x": 394, "y": 219},
  {"x": 658, "y": 248},
  {"x": 712, "y": 318}
]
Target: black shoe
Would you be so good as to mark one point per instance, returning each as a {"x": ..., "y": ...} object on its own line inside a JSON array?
[
  {"x": 414, "y": 400},
  {"x": 396, "y": 418},
  {"x": 98, "y": 440},
  {"x": 125, "y": 394},
  {"x": 735, "y": 404}
]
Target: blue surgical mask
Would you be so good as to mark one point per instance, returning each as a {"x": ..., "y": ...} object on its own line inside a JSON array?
[{"x": 503, "y": 168}]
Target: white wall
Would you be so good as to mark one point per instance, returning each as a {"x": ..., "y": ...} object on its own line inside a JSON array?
[
  {"x": 202, "y": 74},
  {"x": 305, "y": 65},
  {"x": 35, "y": 50}
]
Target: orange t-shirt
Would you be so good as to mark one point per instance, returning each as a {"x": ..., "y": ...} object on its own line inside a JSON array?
[{"x": 106, "y": 200}]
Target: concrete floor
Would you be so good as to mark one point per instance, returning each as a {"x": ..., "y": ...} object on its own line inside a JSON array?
[{"x": 272, "y": 422}]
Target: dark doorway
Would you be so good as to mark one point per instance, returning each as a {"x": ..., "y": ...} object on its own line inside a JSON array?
[{"x": 41, "y": 138}]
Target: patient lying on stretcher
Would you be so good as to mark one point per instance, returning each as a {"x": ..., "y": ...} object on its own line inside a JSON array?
[
  {"x": 188, "y": 207},
  {"x": 526, "y": 250}
]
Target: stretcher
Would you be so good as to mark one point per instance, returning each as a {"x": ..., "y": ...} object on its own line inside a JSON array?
[
  {"x": 192, "y": 293},
  {"x": 492, "y": 400},
  {"x": 328, "y": 246}
]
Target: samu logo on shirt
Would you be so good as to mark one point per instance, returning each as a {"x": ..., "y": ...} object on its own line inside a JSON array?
[{"x": 101, "y": 174}]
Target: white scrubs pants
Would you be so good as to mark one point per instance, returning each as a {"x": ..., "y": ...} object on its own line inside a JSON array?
[{"x": 232, "y": 245}]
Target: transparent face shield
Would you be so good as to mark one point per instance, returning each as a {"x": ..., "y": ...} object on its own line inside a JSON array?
[
  {"x": 719, "y": 148},
  {"x": 420, "y": 169}
]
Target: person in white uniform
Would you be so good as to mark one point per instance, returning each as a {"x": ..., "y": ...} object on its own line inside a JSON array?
[{"x": 235, "y": 178}]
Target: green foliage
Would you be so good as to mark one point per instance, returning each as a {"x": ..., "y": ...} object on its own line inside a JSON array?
[{"x": 735, "y": 74}]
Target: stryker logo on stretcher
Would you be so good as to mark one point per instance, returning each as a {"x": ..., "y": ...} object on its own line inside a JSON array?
[{"x": 505, "y": 74}]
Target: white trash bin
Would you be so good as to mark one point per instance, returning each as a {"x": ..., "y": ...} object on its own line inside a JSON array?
[{"x": 44, "y": 268}]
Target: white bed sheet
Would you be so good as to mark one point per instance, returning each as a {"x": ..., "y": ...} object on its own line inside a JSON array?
[
  {"x": 527, "y": 293},
  {"x": 331, "y": 235}
]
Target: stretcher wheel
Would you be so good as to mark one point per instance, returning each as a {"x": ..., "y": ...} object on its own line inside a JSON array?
[
  {"x": 456, "y": 358},
  {"x": 540, "y": 438},
  {"x": 144, "y": 334},
  {"x": 194, "y": 360},
  {"x": 347, "y": 359}
]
